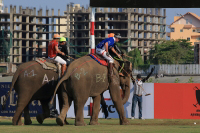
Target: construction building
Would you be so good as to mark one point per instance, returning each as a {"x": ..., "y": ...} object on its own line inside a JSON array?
[
  {"x": 30, "y": 31},
  {"x": 139, "y": 27},
  {"x": 187, "y": 27},
  {"x": 1, "y": 6}
]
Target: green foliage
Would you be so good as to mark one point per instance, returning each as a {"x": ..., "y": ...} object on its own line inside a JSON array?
[
  {"x": 3, "y": 69},
  {"x": 172, "y": 52},
  {"x": 190, "y": 80},
  {"x": 150, "y": 80},
  {"x": 157, "y": 81},
  {"x": 81, "y": 54},
  {"x": 176, "y": 80},
  {"x": 137, "y": 58},
  {"x": 123, "y": 49}
]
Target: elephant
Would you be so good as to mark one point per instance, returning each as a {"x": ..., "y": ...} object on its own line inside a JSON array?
[
  {"x": 87, "y": 78},
  {"x": 125, "y": 86},
  {"x": 32, "y": 82}
]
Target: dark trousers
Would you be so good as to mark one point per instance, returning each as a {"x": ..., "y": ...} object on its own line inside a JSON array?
[{"x": 136, "y": 99}]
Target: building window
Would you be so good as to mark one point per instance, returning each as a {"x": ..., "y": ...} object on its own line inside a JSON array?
[
  {"x": 145, "y": 27},
  {"x": 193, "y": 30},
  {"x": 145, "y": 35},
  {"x": 190, "y": 21},
  {"x": 172, "y": 29},
  {"x": 145, "y": 43},
  {"x": 188, "y": 38},
  {"x": 151, "y": 27},
  {"x": 186, "y": 21},
  {"x": 198, "y": 38},
  {"x": 150, "y": 35},
  {"x": 181, "y": 30},
  {"x": 161, "y": 20},
  {"x": 145, "y": 19},
  {"x": 151, "y": 19}
]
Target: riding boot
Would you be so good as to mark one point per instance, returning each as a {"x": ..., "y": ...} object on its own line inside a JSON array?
[
  {"x": 64, "y": 67},
  {"x": 110, "y": 72}
]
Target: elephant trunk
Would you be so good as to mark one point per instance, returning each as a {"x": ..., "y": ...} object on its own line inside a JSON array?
[{"x": 126, "y": 93}]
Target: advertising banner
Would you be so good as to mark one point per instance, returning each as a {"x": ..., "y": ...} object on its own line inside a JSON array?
[
  {"x": 177, "y": 101},
  {"x": 148, "y": 105},
  {"x": 34, "y": 106}
]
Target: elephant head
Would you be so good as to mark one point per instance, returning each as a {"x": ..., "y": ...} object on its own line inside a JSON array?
[{"x": 125, "y": 80}]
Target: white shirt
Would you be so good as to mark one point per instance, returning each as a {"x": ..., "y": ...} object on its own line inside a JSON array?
[{"x": 138, "y": 89}]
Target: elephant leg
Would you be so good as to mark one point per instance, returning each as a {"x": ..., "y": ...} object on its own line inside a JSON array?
[
  {"x": 27, "y": 119},
  {"x": 95, "y": 110},
  {"x": 116, "y": 98},
  {"x": 46, "y": 111},
  {"x": 78, "y": 106},
  {"x": 22, "y": 102},
  {"x": 66, "y": 104},
  {"x": 60, "y": 99}
]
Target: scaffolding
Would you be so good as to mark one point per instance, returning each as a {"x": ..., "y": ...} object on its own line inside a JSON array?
[{"x": 5, "y": 45}]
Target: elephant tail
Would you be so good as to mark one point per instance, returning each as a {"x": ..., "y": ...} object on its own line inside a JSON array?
[
  {"x": 15, "y": 77},
  {"x": 65, "y": 77}
]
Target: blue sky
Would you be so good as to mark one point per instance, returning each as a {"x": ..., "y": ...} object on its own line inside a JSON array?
[{"x": 61, "y": 4}]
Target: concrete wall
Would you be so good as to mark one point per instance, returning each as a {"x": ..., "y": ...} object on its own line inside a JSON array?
[{"x": 189, "y": 69}]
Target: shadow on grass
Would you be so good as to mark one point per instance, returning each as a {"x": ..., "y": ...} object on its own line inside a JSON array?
[
  {"x": 5, "y": 123},
  {"x": 50, "y": 124}
]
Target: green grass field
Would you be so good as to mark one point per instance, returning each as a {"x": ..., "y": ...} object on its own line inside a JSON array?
[{"x": 106, "y": 126}]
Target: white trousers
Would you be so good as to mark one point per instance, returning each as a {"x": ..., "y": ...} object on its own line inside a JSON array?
[
  {"x": 102, "y": 52},
  {"x": 59, "y": 60}
]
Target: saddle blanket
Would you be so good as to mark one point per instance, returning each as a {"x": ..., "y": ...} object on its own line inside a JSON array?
[
  {"x": 47, "y": 64},
  {"x": 102, "y": 62}
]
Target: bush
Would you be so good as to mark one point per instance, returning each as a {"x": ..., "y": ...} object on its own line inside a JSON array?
[
  {"x": 176, "y": 80},
  {"x": 190, "y": 80}
]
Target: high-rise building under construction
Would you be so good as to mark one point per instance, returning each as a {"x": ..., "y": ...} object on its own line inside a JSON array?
[
  {"x": 28, "y": 31},
  {"x": 139, "y": 27}
]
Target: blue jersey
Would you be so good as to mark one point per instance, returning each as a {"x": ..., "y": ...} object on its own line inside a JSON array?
[{"x": 110, "y": 43}]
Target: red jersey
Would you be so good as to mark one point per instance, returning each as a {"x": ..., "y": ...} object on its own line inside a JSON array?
[{"x": 51, "y": 48}]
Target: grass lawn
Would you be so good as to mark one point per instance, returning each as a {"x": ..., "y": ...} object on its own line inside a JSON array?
[{"x": 106, "y": 126}]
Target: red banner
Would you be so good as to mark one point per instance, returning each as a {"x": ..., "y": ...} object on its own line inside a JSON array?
[{"x": 176, "y": 101}]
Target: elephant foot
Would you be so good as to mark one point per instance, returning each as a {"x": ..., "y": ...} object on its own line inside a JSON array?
[
  {"x": 94, "y": 123},
  {"x": 80, "y": 123},
  {"x": 124, "y": 122},
  {"x": 59, "y": 121},
  {"x": 27, "y": 122},
  {"x": 40, "y": 118},
  {"x": 15, "y": 123}
]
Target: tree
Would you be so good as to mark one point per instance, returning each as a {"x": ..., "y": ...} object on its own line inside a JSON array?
[
  {"x": 172, "y": 52},
  {"x": 81, "y": 54},
  {"x": 137, "y": 58}
]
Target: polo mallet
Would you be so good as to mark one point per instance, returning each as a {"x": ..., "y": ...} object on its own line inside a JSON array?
[{"x": 147, "y": 94}]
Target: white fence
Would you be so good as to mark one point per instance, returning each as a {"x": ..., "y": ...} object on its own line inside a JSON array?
[{"x": 188, "y": 69}]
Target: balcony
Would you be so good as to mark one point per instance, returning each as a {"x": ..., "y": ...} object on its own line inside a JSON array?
[{"x": 188, "y": 26}]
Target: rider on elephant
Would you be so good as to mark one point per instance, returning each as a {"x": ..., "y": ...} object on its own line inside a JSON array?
[
  {"x": 63, "y": 48},
  {"x": 53, "y": 50},
  {"x": 103, "y": 47}
]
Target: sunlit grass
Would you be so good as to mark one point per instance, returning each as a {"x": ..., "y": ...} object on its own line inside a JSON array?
[{"x": 106, "y": 125}]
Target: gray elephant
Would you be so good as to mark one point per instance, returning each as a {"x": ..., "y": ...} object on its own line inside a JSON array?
[
  {"x": 32, "y": 82},
  {"x": 86, "y": 78}
]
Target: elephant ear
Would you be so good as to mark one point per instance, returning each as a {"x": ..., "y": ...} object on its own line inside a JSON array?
[{"x": 127, "y": 67}]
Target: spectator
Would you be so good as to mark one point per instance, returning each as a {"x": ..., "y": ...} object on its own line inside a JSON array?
[{"x": 137, "y": 94}]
